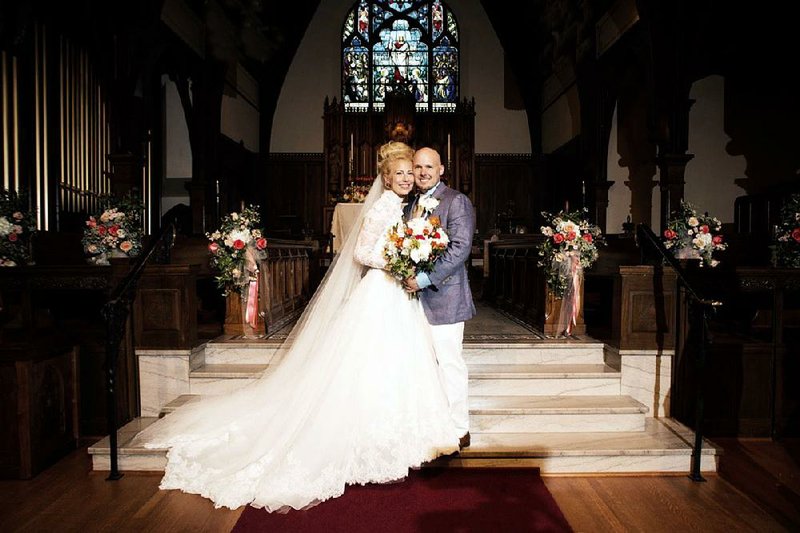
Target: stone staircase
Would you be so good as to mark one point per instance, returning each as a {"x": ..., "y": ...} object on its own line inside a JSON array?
[{"x": 553, "y": 404}]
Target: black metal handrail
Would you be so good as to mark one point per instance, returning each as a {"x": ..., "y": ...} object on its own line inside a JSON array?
[
  {"x": 115, "y": 312},
  {"x": 646, "y": 237}
]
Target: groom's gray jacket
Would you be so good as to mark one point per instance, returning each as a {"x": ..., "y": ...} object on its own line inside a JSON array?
[{"x": 448, "y": 300}]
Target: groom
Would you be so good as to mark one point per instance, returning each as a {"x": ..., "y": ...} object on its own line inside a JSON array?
[{"x": 445, "y": 295}]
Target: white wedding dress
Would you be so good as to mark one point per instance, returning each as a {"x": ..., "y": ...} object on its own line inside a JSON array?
[{"x": 355, "y": 398}]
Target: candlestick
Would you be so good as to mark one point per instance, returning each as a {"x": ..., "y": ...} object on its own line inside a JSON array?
[
  {"x": 448, "y": 149},
  {"x": 583, "y": 193},
  {"x": 350, "y": 159}
]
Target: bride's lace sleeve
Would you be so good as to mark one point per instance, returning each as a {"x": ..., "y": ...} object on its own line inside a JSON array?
[{"x": 372, "y": 237}]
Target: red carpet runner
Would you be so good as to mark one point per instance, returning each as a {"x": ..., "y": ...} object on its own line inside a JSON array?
[{"x": 440, "y": 500}]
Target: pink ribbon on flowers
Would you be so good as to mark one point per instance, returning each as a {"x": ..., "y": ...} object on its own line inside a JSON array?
[
  {"x": 251, "y": 268},
  {"x": 571, "y": 301},
  {"x": 251, "y": 309}
]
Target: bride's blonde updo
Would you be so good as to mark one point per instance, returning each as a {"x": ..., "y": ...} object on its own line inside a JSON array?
[{"x": 388, "y": 154}]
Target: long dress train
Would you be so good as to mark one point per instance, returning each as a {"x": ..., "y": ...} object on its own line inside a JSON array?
[{"x": 356, "y": 399}]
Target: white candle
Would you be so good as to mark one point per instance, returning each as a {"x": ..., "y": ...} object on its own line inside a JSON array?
[
  {"x": 448, "y": 149},
  {"x": 351, "y": 149}
]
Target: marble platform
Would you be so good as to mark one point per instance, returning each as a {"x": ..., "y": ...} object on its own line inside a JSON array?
[
  {"x": 663, "y": 446},
  {"x": 565, "y": 405}
]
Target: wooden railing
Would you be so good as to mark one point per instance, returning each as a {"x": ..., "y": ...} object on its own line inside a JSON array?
[
  {"x": 518, "y": 286},
  {"x": 288, "y": 282},
  {"x": 288, "y": 278}
]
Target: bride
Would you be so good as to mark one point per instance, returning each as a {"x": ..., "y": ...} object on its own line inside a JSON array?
[{"x": 355, "y": 395}]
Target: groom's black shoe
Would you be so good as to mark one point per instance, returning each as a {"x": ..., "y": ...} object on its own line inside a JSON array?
[{"x": 463, "y": 442}]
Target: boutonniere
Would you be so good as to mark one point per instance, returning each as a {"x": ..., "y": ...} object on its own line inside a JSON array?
[{"x": 428, "y": 204}]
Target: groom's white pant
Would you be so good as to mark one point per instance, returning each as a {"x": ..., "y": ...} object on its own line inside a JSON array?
[{"x": 448, "y": 340}]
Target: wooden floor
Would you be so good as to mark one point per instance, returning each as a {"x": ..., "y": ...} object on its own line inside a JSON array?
[{"x": 757, "y": 489}]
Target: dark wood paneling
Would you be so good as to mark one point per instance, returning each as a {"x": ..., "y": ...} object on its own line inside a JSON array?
[
  {"x": 41, "y": 408},
  {"x": 165, "y": 309},
  {"x": 753, "y": 358},
  {"x": 506, "y": 182},
  {"x": 643, "y": 314},
  {"x": 61, "y": 304},
  {"x": 294, "y": 194}
]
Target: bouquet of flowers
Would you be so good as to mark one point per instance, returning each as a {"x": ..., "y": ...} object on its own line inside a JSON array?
[
  {"x": 691, "y": 235},
  {"x": 354, "y": 193},
  {"x": 117, "y": 228},
  {"x": 414, "y": 246},
  {"x": 787, "y": 248},
  {"x": 236, "y": 247},
  {"x": 17, "y": 227},
  {"x": 570, "y": 247}
]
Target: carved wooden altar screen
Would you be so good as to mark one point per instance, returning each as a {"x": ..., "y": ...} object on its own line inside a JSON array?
[{"x": 362, "y": 133}]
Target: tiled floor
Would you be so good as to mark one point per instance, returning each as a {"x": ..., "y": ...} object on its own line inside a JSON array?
[{"x": 490, "y": 326}]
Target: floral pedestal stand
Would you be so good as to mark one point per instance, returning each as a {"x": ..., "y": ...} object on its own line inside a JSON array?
[
  {"x": 235, "y": 323},
  {"x": 552, "y": 313}
]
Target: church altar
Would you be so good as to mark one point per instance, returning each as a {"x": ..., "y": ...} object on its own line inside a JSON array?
[{"x": 344, "y": 216}]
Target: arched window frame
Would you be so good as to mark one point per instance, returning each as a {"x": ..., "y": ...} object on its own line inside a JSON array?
[{"x": 369, "y": 26}]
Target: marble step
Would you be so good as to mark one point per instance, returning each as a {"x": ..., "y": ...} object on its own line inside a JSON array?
[
  {"x": 541, "y": 414},
  {"x": 543, "y": 380},
  {"x": 485, "y": 379},
  {"x": 241, "y": 352},
  {"x": 664, "y": 446},
  {"x": 213, "y": 379},
  {"x": 537, "y": 352},
  {"x": 555, "y": 414},
  {"x": 545, "y": 352}
]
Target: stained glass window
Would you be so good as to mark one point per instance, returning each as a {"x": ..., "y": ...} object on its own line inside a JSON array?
[{"x": 400, "y": 45}]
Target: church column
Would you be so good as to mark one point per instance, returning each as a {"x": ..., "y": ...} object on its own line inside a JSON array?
[
  {"x": 671, "y": 172},
  {"x": 641, "y": 198},
  {"x": 600, "y": 206}
]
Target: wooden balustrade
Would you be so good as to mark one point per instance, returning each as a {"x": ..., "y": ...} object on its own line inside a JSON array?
[
  {"x": 285, "y": 286},
  {"x": 518, "y": 286}
]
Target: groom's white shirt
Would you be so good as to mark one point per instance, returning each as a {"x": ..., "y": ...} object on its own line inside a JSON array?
[{"x": 423, "y": 280}]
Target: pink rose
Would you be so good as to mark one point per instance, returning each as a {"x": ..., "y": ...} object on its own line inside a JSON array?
[
  {"x": 113, "y": 229},
  {"x": 238, "y": 244},
  {"x": 588, "y": 237},
  {"x": 558, "y": 238},
  {"x": 571, "y": 236},
  {"x": 704, "y": 229},
  {"x": 717, "y": 239},
  {"x": 91, "y": 222},
  {"x": 213, "y": 247},
  {"x": 126, "y": 246},
  {"x": 101, "y": 230},
  {"x": 796, "y": 234},
  {"x": 12, "y": 237},
  {"x": 261, "y": 243},
  {"x": 669, "y": 234}
]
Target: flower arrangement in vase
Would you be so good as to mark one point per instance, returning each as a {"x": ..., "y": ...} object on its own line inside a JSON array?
[
  {"x": 787, "y": 247},
  {"x": 570, "y": 239},
  {"x": 570, "y": 247},
  {"x": 235, "y": 249},
  {"x": 690, "y": 235},
  {"x": 115, "y": 230},
  {"x": 17, "y": 228}
]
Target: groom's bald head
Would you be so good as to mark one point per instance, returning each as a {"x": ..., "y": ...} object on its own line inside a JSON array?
[{"x": 428, "y": 168}]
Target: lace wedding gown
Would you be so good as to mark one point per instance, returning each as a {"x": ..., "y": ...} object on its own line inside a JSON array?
[{"x": 355, "y": 399}]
